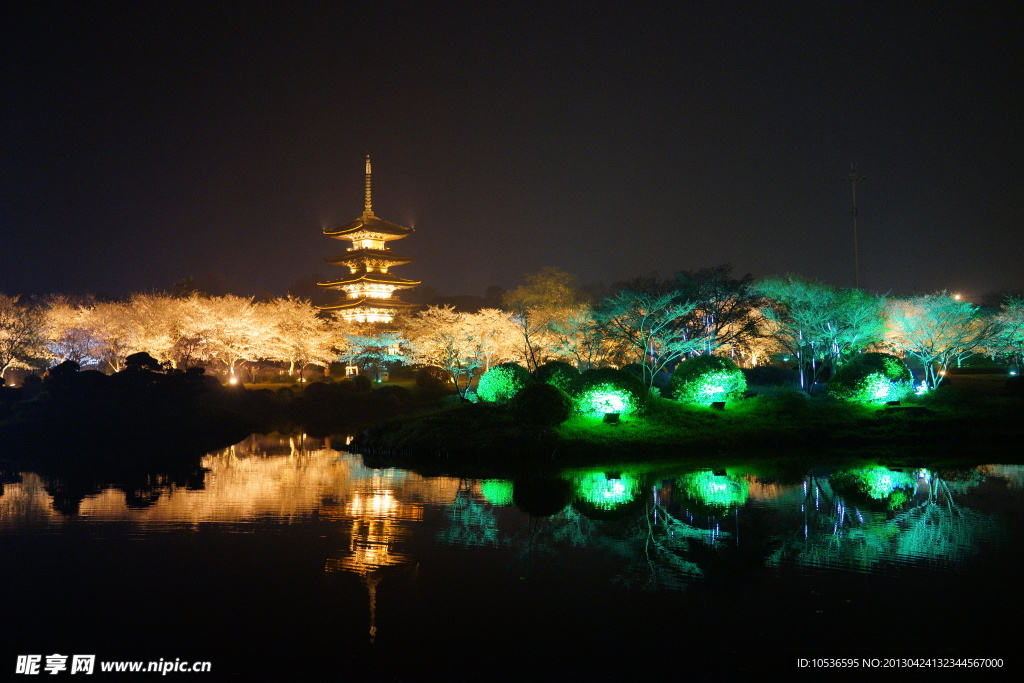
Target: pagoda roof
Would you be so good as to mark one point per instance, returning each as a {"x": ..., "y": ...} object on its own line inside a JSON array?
[
  {"x": 373, "y": 276},
  {"x": 369, "y": 254},
  {"x": 368, "y": 303},
  {"x": 370, "y": 223}
]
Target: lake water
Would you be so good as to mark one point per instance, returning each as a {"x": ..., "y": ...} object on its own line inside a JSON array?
[{"x": 287, "y": 557}]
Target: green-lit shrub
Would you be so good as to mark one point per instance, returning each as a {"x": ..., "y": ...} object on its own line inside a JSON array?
[
  {"x": 872, "y": 378},
  {"x": 606, "y": 390},
  {"x": 502, "y": 382},
  {"x": 541, "y": 404},
  {"x": 557, "y": 373},
  {"x": 706, "y": 379}
]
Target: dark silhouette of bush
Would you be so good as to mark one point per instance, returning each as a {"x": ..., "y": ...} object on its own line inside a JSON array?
[
  {"x": 872, "y": 378},
  {"x": 400, "y": 393},
  {"x": 707, "y": 379},
  {"x": 541, "y": 497},
  {"x": 557, "y": 373},
  {"x": 317, "y": 391},
  {"x": 362, "y": 383},
  {"x": 433, "y": 381},
  {"x": 142, "y": 361},
  {"x": 771, "y": 376},
  {"x": 502, "y": 382},
  {"x": 541, "y": 404},
  {"x": 607, "y": 390}
]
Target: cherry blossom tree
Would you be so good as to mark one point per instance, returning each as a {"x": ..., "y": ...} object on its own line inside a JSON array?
[
  {"x": 21, "y": 334},
  {"x": 236, "y": 332},
  {"x": 496, "y": 337},
  {"x": 297, "y": 335},
  {"x": 533, "y": 306},
  {"x": 68, "y": 331},
  {"x": 440, "y": 336},
  {"x": 113, "y": 333}
]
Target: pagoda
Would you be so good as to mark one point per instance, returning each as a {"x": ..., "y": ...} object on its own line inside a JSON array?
[{"x": 369, "y": 287}]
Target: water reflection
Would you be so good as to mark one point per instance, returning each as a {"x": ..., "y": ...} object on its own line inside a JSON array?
[{"x": 651, "y": 528}]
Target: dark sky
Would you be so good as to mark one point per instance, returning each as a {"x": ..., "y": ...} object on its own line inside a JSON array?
[{"x": 149, "y": 142}]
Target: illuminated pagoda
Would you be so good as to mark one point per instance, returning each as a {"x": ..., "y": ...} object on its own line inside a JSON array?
[{"x": 369, "y": 287}]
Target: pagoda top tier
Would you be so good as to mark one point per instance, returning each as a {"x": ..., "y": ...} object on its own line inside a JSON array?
[{"x": 368, "y": 225}]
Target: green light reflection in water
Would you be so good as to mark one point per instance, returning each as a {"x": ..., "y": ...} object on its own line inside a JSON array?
[
  {"x": 497, "y": 491},
  {"x": 606, "y": 492},
  {"x": 715, "y": 490}
]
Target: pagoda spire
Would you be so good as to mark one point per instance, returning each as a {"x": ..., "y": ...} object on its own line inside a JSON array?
[{"x": 367, "y": 203}]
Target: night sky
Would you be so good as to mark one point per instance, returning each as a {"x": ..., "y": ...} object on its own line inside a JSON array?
[{"x": 153, "y": 141}]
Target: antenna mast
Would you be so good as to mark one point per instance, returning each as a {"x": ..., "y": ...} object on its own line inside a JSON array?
[{"x": 853, "y": 178}]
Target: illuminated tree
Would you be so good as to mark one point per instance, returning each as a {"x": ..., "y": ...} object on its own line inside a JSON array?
[
  {"x": 574, "y": 336},
  {"x": 752, "y": 350},
  {"x": 21, "y": 333},
  {"x": 193, "y": 328},
  {"x": 496, "y": 337},
  {"x": 156, "y": 322},
  {"x": 1009, "y": 338},
  {"x": 441, "y": 337},
  {"x": 376, "y": 350},
  {"x": 235, "y": 333},
  {"x": 819, "y": 325},
  {"x": 939, "y": 330},
  {"x": 297, "y": 335},
  {"x": 648, "y": 329},
  {"x": 113, "y": 332},
  {"x": 69, "y": 335},
  {"x": 534, "y": 306},
  {"x": 727, "y": 311}
]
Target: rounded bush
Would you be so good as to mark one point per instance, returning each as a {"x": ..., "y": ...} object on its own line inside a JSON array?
[
  {"x": 707, "y": 379},
  {"x": 362, "y": 383},
  {"x": 502, "y": 382},
  {"x": 541, "y": 404},
  {"x": 401, "y": 394},
  {"x": 557, "y": 373},
  {"x": 606, "y": 390},
  {"x": 433, "y": 380},
  {"x": 771, "y": 376},
  {"x": 872, "y": 378}
]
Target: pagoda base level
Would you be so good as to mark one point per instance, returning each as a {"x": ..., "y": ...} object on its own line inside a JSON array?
[{"x": 363, "y": 314}]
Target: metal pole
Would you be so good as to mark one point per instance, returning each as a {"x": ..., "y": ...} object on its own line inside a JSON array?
[{"x": 853, "y": 178}]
